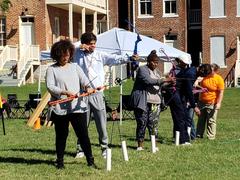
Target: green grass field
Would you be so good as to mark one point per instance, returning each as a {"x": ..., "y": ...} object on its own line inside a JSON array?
[{"x": 26, "y": 153}]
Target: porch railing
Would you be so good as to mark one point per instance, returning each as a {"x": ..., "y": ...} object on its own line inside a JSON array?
[
  {"x": 8, "y": 53},
  {"x": 32, "y": 53},
  {"x": 230, "y": 78},
  {"x": 99, "y": 3},
  {"x": 195, "y": 17}
]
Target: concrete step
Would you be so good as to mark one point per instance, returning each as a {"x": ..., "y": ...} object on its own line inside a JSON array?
[
  {"x": 4, "y": 72},
  {"x": 9, "y": 64}
]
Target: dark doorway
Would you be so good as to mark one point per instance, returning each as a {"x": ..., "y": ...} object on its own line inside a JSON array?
[
  {"x": 194, "y": 37},
  {"x": 123, "y": 13},
  {"x": 195, "y": 45}
]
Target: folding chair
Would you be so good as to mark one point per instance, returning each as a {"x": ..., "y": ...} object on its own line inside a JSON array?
[
  {"x": 32, "y": 102},
  {"x": 127, "y": 111},
  {"x": 18, "y": 111}
]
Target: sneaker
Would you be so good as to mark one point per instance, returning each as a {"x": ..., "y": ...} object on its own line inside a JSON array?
[
  {"x": 104, "y": 153},
  {"x": 140, "y": 149},
  {"x": 186, "y": 144},
  {"x": 156, "y": 149},
  {"x": 199, "y": 136},
  {"x": 79, "y": 154}
]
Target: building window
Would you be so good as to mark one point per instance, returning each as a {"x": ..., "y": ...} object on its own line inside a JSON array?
[
  {"x": 2, "y": 31},
  {"x": 169, "y": 8},
  {"x": 238, "y": 7},
  {"x": 79, "y": 30},
  {"x": 101, "y": 27},
  {"x": 145, "y": 7},
  {"x": 26, "y": 19},
  {"x": 217, "y": 8},
  {"x": 56, "y": 30},
  {"x": 217, "y": 50},
  {"x": 171, "y": 40}
]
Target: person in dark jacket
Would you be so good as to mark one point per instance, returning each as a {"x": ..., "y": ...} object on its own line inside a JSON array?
[
  {"x": 187, "y": 77},
  {"x": 181, "y": 98},
  {"x": 145, "y": 97}
]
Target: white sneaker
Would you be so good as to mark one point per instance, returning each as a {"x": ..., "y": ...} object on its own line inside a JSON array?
[
  {"x": 156, "y": 149},
  {"x": 186, "y": 144},
  {"x": 104, "y": 153},
  {"x": 140, "y": 149},
  {"x": 79, "y": 154}
]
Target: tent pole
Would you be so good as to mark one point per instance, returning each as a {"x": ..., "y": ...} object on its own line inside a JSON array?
[
  {"x": 39, "y": 79},
  {"x": 121, "y": 96}
]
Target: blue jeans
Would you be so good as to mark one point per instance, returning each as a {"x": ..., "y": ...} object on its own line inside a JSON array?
[{"x": 190, "y": 115}]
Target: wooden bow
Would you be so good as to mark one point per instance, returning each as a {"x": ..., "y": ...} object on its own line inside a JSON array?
[{"x": 70, "y": 98}]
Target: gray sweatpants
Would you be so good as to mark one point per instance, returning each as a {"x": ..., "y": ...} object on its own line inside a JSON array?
[{"x": 96, "y": 105}]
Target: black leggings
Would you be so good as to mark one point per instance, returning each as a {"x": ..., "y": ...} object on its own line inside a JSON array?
[{"x": 79, "y": 124}]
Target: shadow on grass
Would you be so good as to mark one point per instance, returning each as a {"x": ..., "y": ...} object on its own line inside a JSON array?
[
  {"x": 17, "y": 160},
  {"x": 51, "y": 152}
]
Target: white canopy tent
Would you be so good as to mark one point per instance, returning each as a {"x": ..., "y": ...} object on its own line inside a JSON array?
[{"x": 121, "y": 41}]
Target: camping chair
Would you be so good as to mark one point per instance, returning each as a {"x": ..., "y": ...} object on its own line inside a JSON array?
[
  {"x": 17, "y": 110},
  {"x": 32, "y": 102},
  {"x": 127, "y": 110}
]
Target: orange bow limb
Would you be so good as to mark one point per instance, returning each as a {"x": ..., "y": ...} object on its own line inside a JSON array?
[{"x": 70, "y": 98}]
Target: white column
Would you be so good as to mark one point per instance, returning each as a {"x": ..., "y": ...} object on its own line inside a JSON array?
[
  {"x": 83, "y": 20},
  {"x": 107, "y": 15},
  {"x": 70, "y": 20},
  {"x": 31, "y": 76},
  {"x": 95, "y": 22},
  {"x": 134, "y": 14}
]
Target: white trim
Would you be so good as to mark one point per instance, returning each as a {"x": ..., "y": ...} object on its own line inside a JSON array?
[
  {"x": 215, "y": 17},
  {"x": 170, "y": 15},
  {"x": 145, "y": 16}
]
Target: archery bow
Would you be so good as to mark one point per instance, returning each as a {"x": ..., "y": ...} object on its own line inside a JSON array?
[
  {"x": 135, "y": 64},
  {"x": 70, "y": 98}
]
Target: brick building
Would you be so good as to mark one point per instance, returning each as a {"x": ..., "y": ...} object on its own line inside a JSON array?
[
  {"x": 207, "y": 29},
  {"x": 46, "y": 21},
  {"x": 30, "y": 26}
]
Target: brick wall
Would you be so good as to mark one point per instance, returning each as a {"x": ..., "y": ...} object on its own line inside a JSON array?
[
  {"x": 113, "y": 13},
  {"x": 34, "y": 8},
  {"x": 228, "y": 27},
  {"x": 158, "y": 26}
]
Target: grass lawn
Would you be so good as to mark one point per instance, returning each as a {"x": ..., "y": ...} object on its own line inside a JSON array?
[{"x": 30, "y": 154}]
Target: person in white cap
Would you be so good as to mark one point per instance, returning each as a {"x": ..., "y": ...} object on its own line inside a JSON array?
[{"x": 179, "y": 97}]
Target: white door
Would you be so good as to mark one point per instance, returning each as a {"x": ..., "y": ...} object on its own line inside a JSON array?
[{"x": 27, "y": 36}]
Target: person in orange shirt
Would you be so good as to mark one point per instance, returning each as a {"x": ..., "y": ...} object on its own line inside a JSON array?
[{"x": 210, "y": 101}]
